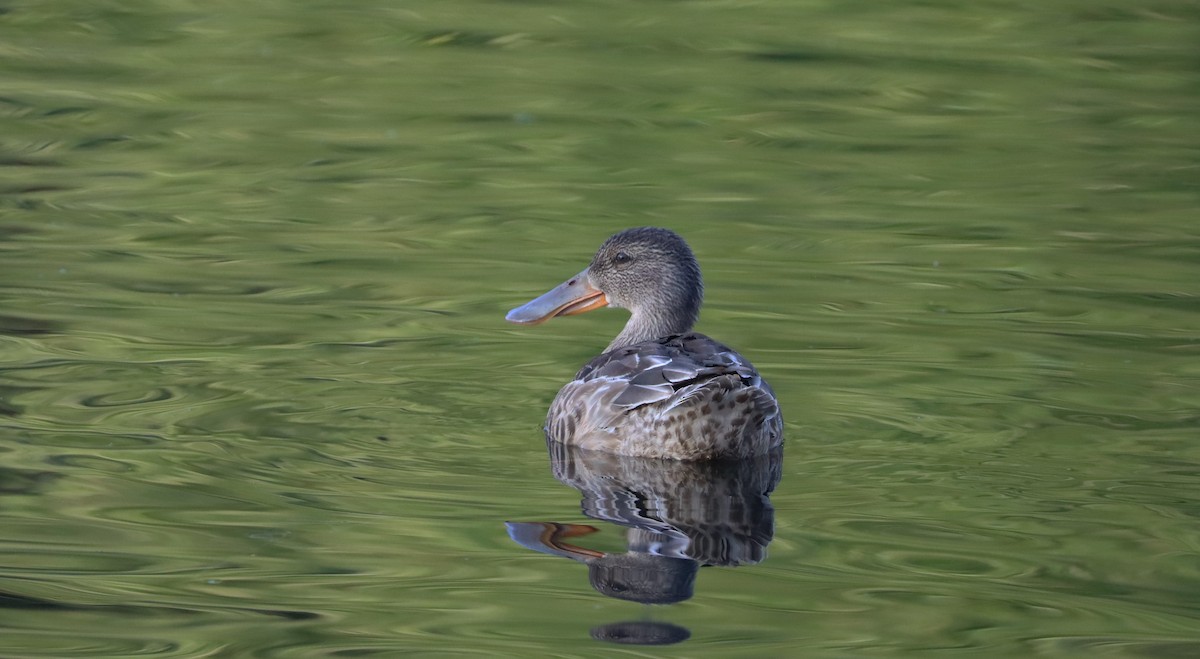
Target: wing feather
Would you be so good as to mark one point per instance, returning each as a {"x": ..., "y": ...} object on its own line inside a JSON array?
[{"x": 652, "y": 371}]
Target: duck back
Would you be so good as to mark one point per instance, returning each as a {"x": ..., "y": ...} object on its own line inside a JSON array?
[{"x": 684, "y": 396}]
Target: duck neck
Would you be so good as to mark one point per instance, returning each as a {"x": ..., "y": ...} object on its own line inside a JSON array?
[{"x": 646, "y": 325}]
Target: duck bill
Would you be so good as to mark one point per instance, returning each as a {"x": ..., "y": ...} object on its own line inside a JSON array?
[
  {"x": 547, "y": 537},
  {"x": 575, "y": 295}
]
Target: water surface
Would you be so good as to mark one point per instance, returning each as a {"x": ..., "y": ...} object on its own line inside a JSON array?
[{"x": 258, "y": 397}]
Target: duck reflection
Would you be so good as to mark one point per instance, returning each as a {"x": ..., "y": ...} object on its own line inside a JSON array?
[{"x": 678, "y": 517}]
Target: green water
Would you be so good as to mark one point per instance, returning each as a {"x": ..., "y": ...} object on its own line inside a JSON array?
[{"x": 257, "y": 396}]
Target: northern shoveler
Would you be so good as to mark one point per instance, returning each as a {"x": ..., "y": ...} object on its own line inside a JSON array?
[{"x": 659, "y": 390}]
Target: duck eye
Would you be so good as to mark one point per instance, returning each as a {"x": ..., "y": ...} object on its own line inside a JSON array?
[{"x": 622, "y": 258}]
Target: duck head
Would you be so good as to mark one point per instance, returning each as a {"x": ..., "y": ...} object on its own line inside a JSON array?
[{"x": 649, "y": 271}]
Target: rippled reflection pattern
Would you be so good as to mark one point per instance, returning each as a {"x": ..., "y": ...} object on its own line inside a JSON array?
[
  {"x": 678, "y": 517},
  {"x": 256, "y": 399}
]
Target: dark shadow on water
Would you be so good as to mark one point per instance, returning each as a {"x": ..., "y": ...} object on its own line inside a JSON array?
[
  {"x": 678, "y": 516},
  {"x": 25, "y": 481},
  {"x": 641, "y": 632},
  {"x": 26, "y": 326}
]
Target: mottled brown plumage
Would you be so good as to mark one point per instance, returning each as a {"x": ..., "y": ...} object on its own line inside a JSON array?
[{"x": 660, "y": 390}]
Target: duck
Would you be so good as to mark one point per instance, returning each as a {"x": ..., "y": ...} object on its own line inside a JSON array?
[{"x": 660, "y": 389}]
